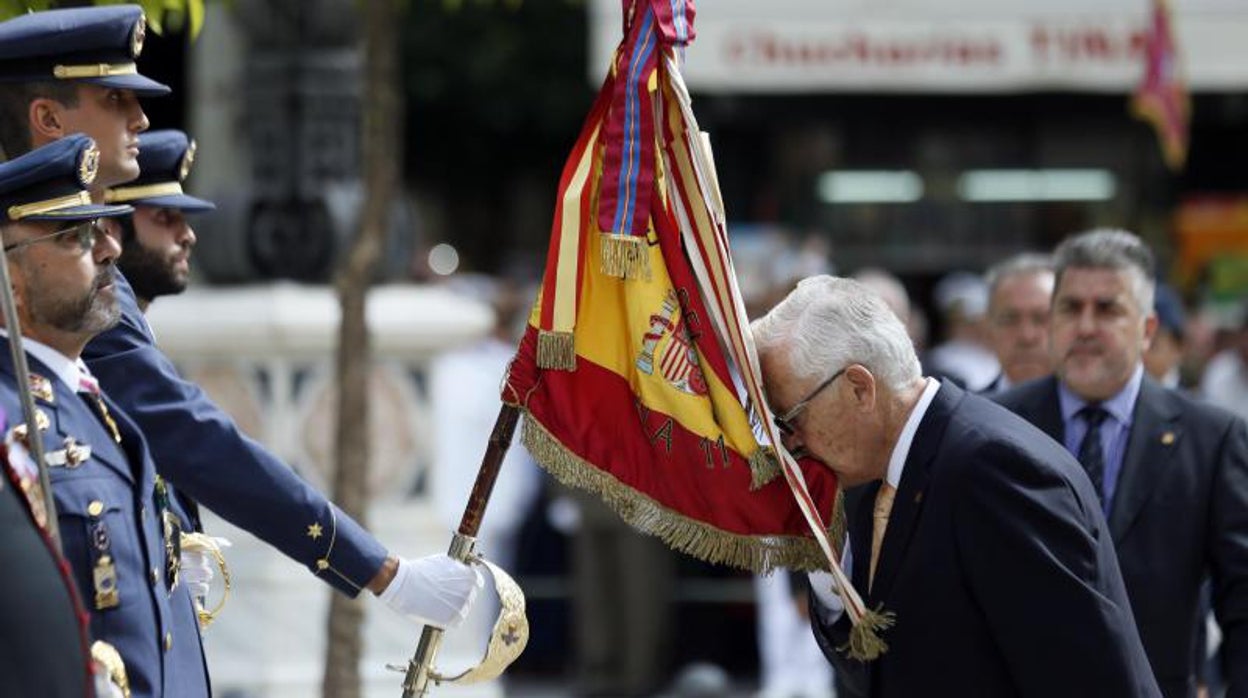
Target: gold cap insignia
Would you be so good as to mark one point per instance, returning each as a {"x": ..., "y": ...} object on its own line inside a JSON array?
[
  {"x": 188, "y": 158},
  {"x": 88, "y": 164},
  {"x": 137, "y": 35}
]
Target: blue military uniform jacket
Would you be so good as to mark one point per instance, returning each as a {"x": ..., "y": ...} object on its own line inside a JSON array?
[
  {"x": 107, "y": 506},
  {"x": 200, "y": 450}
]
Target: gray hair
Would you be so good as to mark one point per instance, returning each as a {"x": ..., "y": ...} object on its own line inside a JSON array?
[
  {"x": 1118, "y": 250},
  {"x": 828, "y": 323},
  {"x": 1023, "y": 264}
]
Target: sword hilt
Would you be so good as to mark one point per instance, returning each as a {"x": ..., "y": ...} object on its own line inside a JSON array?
[{"x": 420, "y": 669}]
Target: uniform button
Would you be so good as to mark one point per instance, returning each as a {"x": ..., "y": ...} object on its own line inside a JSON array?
[
  {"x": 95, "y": 508},
  {"x": 155, "y": 577},
  {"x": 143, "y": 512},
  {"x": 168, "y": 641}
]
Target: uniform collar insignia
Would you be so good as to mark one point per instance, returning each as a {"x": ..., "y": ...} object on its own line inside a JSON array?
[{"x": 41, "y": 388}]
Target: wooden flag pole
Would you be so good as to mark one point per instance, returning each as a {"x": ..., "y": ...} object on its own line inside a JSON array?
[{"x": 416, "y": 684}]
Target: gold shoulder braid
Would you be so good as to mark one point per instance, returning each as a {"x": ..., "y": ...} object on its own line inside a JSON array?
[
  {"x": 108, "y": 657},
  {"x": 198, "y": 542}
]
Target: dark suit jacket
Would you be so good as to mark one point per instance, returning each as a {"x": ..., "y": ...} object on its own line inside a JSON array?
[
  {"x": 106, "y": 505},
  {"x": 43, "y": 644},
  {"x": 201, "y": 451},
  {"x": 1180, "y": 510},
  {"x": 998, "y": 564}
]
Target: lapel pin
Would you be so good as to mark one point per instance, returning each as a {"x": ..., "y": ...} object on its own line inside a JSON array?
[{"x": 1167, "y": 438}]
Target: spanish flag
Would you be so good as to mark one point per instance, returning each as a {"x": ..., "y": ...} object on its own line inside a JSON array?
[
  {"x": 637, "y": 374},
  {"x": 1162, "y": 98}
]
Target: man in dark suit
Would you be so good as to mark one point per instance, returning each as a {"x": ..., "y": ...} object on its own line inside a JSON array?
[
  {"x": 980, "y": 534},
  {"x": 1020, "y": 289},
  {"x": 1171, "y": 473}
]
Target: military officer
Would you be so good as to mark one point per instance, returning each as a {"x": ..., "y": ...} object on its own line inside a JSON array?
[
  {"x": 157, "y": 238},
  {"x": 195, "y": 444},
  {"x": 109, "y": 505},
  {"x": 155, "y": 257}
]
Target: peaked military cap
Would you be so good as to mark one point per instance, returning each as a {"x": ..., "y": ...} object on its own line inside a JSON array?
[
  {"x": 97, "y": 45},
  {"x": 1169, "y": 308},
  {"x": 50, "y": 183},
  {"x": 165, "y": 159}
]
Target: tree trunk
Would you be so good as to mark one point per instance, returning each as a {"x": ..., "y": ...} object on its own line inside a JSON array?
[{"x": 382, "y": 116}]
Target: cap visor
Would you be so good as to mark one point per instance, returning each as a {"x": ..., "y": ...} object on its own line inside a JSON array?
[
  {"x": 82, "y": 213},
  {"x": 141, "y": 84},
  {"x": 181, "y": 202}
]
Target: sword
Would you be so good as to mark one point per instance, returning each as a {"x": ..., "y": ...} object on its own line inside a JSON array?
[
  {"x": 419, "y": 675},
  {"x": 34, "y": 440}
]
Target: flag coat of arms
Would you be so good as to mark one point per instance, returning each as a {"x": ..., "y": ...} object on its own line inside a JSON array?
[{"x": 637, "y": 375}]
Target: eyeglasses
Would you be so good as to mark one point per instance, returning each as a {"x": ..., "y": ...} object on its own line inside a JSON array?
[
  {"x": 84, "y": 233},
  {"x": 785, "y": 422}
]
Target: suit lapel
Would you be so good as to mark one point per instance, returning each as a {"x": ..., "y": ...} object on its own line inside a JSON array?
[
  {"x": 80, "y": 422},
  {"x": 1046, "y": 411},
  {"x": 1155, "y": 431},
  {"x": 908, "y": 503},
  {"x": 132, "y": 446}
]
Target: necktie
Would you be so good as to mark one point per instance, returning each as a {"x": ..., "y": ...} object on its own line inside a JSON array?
[
  {"x": 1091, "y": 454},
  {"x": 90, "y": 391},
  {"x": 883, "y": 507}
]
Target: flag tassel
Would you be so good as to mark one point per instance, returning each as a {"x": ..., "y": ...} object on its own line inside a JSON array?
[
  {"x": 625, "y": 256},
  {"x": 865, "y": 643},
  {"x": 764, "y": 467},
  {"x": 556, "y": 350}
]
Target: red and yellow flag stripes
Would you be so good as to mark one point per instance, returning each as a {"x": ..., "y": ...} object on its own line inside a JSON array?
[{"x": 638, "y": 378}]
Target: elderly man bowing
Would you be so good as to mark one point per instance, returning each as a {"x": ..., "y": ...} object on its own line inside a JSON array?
[{"x": 982, "y": 535}]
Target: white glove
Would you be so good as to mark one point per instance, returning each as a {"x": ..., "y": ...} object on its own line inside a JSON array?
[
  {"x": 823, "y": 586},
  {"x": 434, "y": 590},
  {"x": 199, "y": 568}
]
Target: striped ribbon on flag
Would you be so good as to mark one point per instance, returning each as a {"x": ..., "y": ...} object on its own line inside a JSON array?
[{"x": 650, "y": 28}]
